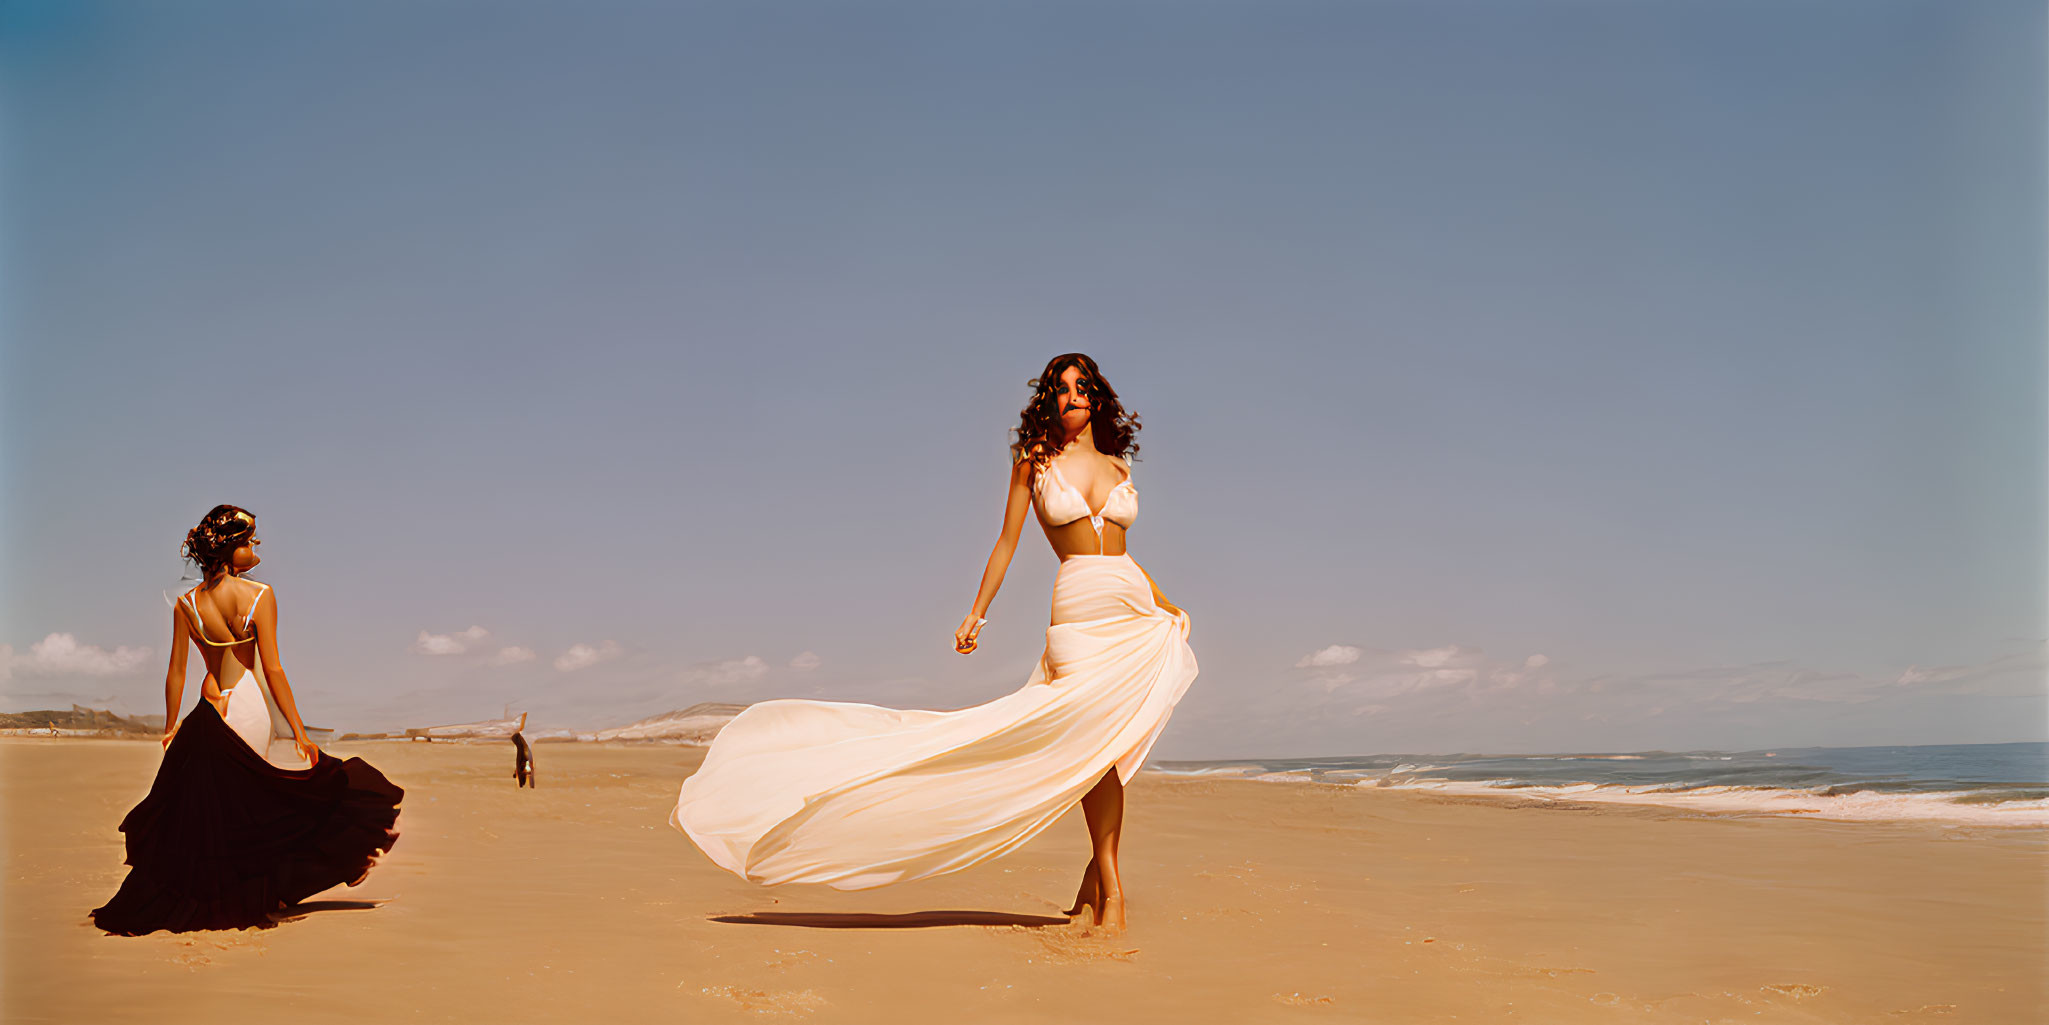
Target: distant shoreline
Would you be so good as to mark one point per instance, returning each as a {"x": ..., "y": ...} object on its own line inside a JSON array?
[{"x": 2005, "y": 807}]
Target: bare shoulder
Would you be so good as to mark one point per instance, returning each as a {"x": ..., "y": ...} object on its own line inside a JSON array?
[
  {"x": 1115, "y": 467},
  {"x": 1022, "y": 472},
  {"x": 256, "y": 594}
]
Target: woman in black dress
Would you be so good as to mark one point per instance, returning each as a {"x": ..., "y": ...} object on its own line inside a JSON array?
[{"x": 246, "y": 816}]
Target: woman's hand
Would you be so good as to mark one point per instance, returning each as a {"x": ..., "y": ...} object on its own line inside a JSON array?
[
  {"x": 169, "y": 733},
  {"x": 964, "y": 638},
  {"x": 306, "y": 748}
]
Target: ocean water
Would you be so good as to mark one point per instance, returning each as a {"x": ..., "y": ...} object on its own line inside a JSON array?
[{"x": 1970, "y": 784}]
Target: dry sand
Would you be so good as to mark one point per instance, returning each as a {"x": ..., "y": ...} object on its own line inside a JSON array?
[{"x": 1250, "y": 902}]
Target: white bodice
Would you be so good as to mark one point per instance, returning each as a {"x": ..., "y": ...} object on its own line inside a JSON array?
[{"x": 1061, "y": 503}]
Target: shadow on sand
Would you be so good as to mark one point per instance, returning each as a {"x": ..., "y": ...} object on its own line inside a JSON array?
[
  {"x": 313, "y": 907},
  {"x": 910, "y": 920}
]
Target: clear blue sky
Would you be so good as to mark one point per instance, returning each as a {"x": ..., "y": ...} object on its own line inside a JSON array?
[{"x": 1516, "y": 376}]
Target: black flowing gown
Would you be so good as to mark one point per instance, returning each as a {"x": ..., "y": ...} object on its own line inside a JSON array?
[{"x": 225, "y": 838}]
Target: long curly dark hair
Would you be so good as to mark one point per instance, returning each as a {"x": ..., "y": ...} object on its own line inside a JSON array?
[
  {"x": 1038, "y": 434},
  {"x": 222, "y": 530}
]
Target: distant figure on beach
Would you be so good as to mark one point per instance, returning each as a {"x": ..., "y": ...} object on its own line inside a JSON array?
[
  {"x": 246, "y": 816},
  {"x": 522, "y": 761},
  {"x": 857, "y": 796}
]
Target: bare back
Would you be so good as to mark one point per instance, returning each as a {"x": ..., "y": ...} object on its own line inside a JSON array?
[{"x": 221, "y": 620}]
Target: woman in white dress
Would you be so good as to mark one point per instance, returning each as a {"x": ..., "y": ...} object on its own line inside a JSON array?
[
  {"x": 246, "y": 816},
  {"x": 857, "y": 796}
]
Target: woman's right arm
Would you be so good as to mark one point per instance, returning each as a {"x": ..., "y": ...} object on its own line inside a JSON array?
[
  {"x": 1015, "y": 506},
  {"x": 174, "y": 677},
  {"x": 265, "y": 615}
]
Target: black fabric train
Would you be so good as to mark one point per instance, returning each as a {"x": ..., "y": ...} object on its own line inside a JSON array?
[{"x": 225, "y": 838}]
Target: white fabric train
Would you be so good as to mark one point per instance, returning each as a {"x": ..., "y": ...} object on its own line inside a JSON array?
[{"x": 857, "y": 796}]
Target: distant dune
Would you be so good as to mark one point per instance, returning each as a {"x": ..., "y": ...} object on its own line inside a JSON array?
[
  {"x": 487, "y": 729},
  {"x": 78, "y": 721},
  {"x": 695, "y": 725}
]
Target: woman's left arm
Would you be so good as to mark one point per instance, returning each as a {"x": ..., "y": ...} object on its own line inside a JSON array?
[{"x": 274, "y": 671}]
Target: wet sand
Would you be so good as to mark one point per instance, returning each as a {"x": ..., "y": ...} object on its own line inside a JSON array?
[{"x": 1250, "y": 902}]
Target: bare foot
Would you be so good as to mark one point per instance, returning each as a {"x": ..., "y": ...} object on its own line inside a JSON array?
[{"x": 1110, "y": 912}]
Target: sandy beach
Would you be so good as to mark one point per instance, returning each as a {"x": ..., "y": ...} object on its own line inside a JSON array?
[{"x": 1250, "y": 902}]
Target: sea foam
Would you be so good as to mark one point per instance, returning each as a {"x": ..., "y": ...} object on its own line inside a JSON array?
[{"x": 1967, "y": 784}]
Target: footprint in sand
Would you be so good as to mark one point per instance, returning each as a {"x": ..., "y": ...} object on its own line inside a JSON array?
[
  {"x": 1535, "y": 972},
  {"x": 762, "y": 1001},
  {"x": 1227, "y": 913},
  {"x": 1303, "y": 1000},
  {"x": 1796, "y": 990},
  {"x": 1078, "y": 946},
  {"x": 193, "y": 956},
  {"x": 1239, "y": 871},
  {"x": 782, "y": 959}
]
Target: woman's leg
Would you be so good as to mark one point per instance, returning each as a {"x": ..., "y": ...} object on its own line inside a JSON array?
[
  {"x": 1090, "y": 893},
  {"x": 1101, "y": 887}
]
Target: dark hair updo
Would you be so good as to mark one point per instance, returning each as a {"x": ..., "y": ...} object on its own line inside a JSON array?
[
  {"x": 222, "y": 530},
  {"x": 1038, "y": 432}
]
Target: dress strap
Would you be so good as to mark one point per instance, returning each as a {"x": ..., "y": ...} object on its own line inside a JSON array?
[{"x": 262, "y": 589}]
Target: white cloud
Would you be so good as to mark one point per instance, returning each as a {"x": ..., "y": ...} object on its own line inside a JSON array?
[
  {"x": 1456, "y": 697},
  {"x": 1431, "y": 658},
  {"x": 1426, "y": 681},
  {"x": 584, "y": 656},
  {"x": 2017, "y": 672},
  {"x": 513, "y": 656},
  {"x": 1377, "y": 674},
  {"x": 1335, "y": 655},
  {"x": 449, "y": 644},
  {"x": 474, "y": 641},
  {"x": 60, "y": 654},
  {"x": 1725, "y": 685},
  {"x": 1938, "y": 674},
  {"x": 806, "y": 662},
  {"x": 727, "y": 671}
]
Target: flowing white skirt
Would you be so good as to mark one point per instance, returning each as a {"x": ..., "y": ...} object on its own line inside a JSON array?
[{"x": 857, "y": 796}]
